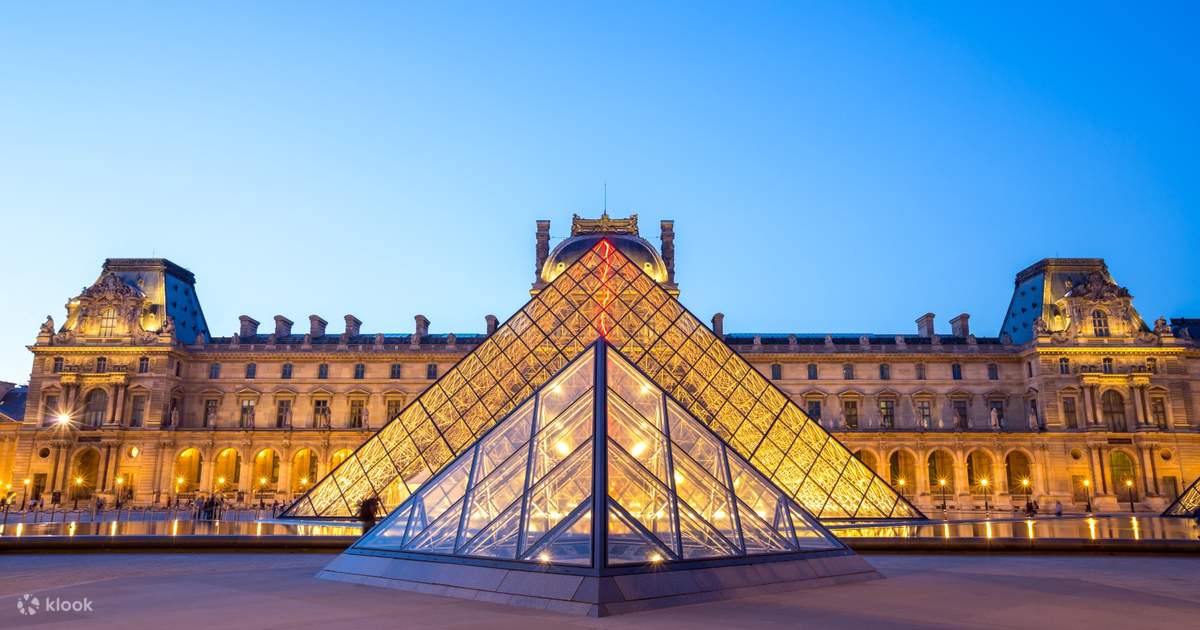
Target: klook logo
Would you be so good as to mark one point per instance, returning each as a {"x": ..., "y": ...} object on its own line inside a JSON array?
[{"x": 30, "y": 605}]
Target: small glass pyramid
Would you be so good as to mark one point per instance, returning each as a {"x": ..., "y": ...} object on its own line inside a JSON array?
[
  {"x": 605, "y": 296},
  {"x": 1188, "y": 503},
  {"x": 669, "y": 488}
]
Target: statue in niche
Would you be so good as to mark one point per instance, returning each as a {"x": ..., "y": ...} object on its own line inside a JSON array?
[{"x": 995, "y": 417}]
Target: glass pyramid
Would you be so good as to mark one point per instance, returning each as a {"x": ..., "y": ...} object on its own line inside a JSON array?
[
  {"x": 1188, "y": 503},
  {"x": 668, "y": 487},
  {"x": 604, "y": 296}
]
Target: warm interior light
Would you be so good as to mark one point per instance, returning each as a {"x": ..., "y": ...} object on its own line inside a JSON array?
[
  {"x": 719, "y": 513},
  {"x": 120, "y": 481},
  {"x": 645, "y": 388},
  {"x": 26, "y": 482},
  {"x": 134, "y": 452},
  {"x": 562, "y": 447},
  {"x": 638, "y": 449},
  {"x": 678, "y": 478},
  {"x": 262, "y": 480},
  {"x": 221, "y": 480}
]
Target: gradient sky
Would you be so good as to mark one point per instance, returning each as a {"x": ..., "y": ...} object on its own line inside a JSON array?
[{"x": 829, "y": 168}]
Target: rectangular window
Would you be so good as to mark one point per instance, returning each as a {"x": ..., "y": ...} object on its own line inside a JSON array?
[
  {"x": 143, "y": 365},
  {"x": 850, "y": 411},
  {"x": 101, "y": 365},
  {"x": 887, "y": 413},
  {"x": 321, "y": 413},
  {"x": 49, "y": 410},
  {"x": 776, "y": 371},
  {"x": 885, "y": 372},
  {"x": 1152, "y": 365},
  {"x": 323, "y": 370},
  {"x": 287, "y": 371},
  {"x": 283, "y": 414},
  {"x": 1069, "y": 413},
  {"x": 137, "y": 411},
  {"x": 246, "y": 418},
  {"x": 920, "y": 371},
  {"x": 960, "y": 414},
  {"x": 58, "y": 365},
  {"x": 210, "y": 412},
  {"x": 251, "y": 370},
  {"x": 360, "y": 371},
  {"x": 394, "y": 407},
  {"x": 214, "y": 370},
  {"x": 1064, "y": 366},
  {"x": 431, "y": 371},
  {"x": 993, "y": 372},
  {"x": 1158, "y": 412},
  {"x": 1108, "y": 365},
  {"x": 956, "y": 371},
  {"x": 814, "y": 410},
  {"x": 395, "y": 373},
  {"x": 812, "y": 371},
  {"x": 848, "y": 371},
  {"x": 356, "y": 413},
  {"x": 925, "y": 413}
]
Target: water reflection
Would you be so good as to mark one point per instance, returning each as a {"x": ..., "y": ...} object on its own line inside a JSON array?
[{"x": 1098, "y": 528}]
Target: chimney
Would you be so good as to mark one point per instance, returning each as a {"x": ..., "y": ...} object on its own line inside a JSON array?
[
  {"x": 718, "y": 325},
  {"x": 925, "y": 325},
  {"x": 668, "y": 248},
  {"x": 959, "y": 326},
  {"x": 492, "y": 324},
  {"x": 543, "y": 248},
  {"x": 422, "y": 329},
  {"x": 283, "y": 326},
  {"x": 316, "y": 326},
  {"x": 353, "y": 325},
  {"x": 249, "y": 326}
]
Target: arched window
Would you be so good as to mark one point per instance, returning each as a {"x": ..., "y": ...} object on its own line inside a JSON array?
[
  {"x": 1124, "y": 477},
  {"x": 1114, "y": 410},
  {"x": 1019, "y": 473},
  {"x": 903, "y": 471},
  {"x": 867, "y": 458},
  {"x": 941, "y": 473},
  {"x": 108, "y": 322},
  {"x": 1099, "y": 323},
  {"x": 95, "y": 407},
  {"x": 979, "y": 473}
]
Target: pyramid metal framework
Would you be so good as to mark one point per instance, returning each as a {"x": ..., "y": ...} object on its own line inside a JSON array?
[
  {"x": 605, "y": 296},
  {"x": 670, "y": 490},
  {"x": 1188, "y": 503}
]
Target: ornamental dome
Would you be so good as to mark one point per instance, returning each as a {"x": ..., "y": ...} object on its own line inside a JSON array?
[{"x": 636, "y": 248}]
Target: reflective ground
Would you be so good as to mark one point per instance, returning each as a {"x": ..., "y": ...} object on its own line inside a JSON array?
[
  {"x": 178, "y": 527},
  {"x": 1099, "y": 527}
]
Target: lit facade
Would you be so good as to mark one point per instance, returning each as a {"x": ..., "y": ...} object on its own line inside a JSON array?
[{"x": 1077, "y": 388}]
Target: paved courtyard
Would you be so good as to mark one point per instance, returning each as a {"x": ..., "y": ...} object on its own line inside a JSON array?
[{"x": 251, "y": 590}]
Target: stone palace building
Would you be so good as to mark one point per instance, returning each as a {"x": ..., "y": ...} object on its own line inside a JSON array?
[{"x": 1077, "y": 399}]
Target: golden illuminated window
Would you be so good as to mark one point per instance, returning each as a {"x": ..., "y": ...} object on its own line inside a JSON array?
[
  {"x": 1099, "y": 323},
  {"x": 108, "y": 322}
]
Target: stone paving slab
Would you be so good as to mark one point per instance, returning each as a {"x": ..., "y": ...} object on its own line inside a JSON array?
[{"x": 271, "y": 590}]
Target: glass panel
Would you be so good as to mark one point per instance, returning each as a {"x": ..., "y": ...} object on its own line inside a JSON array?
[
  {"x": 758, "y": 535},
  {"x": 700, "y": 539},
  {"x": 440, "y": 535},
  {"x": 707, "y": 496},
  {"x": 640, "y": 494},
  {"x": 808, "y": 536},
  {"x": 499, "y": 540},
  {"x": 560, "y": 392},
  {"x": 571, "y": 545},
  {"x": 558, "y": 494},
  {"x": 752, "y": 490},
  {"x": 491, "y": 496},
  {"x": 626, "y": 544},
  {"x": 562, "y": 437},
  {"x": 390, "y": 533},
  {"x": 438, "y": 496},
  {"x": 696, "y": 440},
  {"x": 502, "y": 442},
  {"x": 635, "y": 389},
  {"x": 637, "y": 437}
]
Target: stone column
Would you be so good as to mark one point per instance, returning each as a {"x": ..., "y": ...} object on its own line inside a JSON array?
[
  {"x": 284, "y": 485},
  {"x": 921, "y": 474},
  {"x": 962, "y": 485},
  {"x": 56, "y": 450},
  {"x": 104, "y": 468},
  {"x": 1089, "y": 418},
  {"x": 1142, "y": 452},
  {"x": 208, "y": 462},
  {"x": 119, "y": 416}
]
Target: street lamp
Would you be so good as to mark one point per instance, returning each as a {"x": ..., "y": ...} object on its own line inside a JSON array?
[
  {"x": 24, "y": 493},
  {"x": 1025, "y": 485},
  {"x": 1129, "y": 489},
  {"x": 63, "y": 419},
  {"x": 78, "y": 486},
  {"x": 120, "y": 493},
  {"x": 1087, "y": 492},
  {"x": 984, "y": 483},
  {"x": 942, "y": 483},
  {"x": 262, "y": 491}
]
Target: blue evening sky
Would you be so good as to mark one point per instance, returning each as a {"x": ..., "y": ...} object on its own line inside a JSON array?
[{"x": 836, "y": 167}]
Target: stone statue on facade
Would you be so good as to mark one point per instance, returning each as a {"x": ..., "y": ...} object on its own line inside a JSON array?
[
  {"x": 168, "y": 326},
  {"x": 995, "y": 417},
  {"x": 1040, "y": 327},
  {"x": 47, "y": 326},
  {"x": 1161, "y": 328}
]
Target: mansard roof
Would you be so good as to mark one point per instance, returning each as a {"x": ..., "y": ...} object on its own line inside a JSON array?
[{"x": 12, "y": 404}]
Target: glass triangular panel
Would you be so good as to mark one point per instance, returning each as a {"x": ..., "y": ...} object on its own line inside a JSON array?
[
  {"x": 441, "y": 534},
  {"x": 389, "y": 534},
  {"x": 639, "y": 392},
  {"x": 758, "y": 536},
  {"x": 697, "y": 441},
  {"x": 705, "y": 495},
  {"x": 558, "y": 494},
  {"x": 492, "y": 495},
  {"x": 570, "y": 544},
  {"x": 504, "y": 440},
  {"x": 499, "y": 539},
  {"x": 566, "y": 388},
  {"x": 626, "y": 542},
  {"x": 753, "y": 490},
  {"x": 643, "y": 497},
  {"x": 436, "y": 497},
  {"x": 563, "y": 436},
  {"x": 637, "y": 437},
  {"x": 699, "y": 539},
  {"x": 808, "y": 534}
]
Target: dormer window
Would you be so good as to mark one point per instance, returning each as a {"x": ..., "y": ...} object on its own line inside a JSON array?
[
  {"x": 108, "y": 322},
  {"x": 1099, "y": 323}
]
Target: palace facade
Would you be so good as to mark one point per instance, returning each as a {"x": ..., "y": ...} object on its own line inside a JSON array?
[{"x": 1077, "y": 399}]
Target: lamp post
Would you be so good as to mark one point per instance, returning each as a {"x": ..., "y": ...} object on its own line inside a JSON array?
[
  {"x": 984, "y": 483},
  {"x": 24, "y": 493},
  {"x": 1087, "y": 492},
  {"x": 1025, "y": 485},
  {"x": 75, "y": 494},
  {"x": 120, "y": 494},
  {"x": 178, "y": 487},
  {"x": 262, "y": 491},
  {"x": 942, "y": 484},
  {"x": 1129, "y": 491}
]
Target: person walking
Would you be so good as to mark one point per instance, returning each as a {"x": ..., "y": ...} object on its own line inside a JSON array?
[
  {"x": 1058, "y": 509},
  {"x": 366, "y": 513}
]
